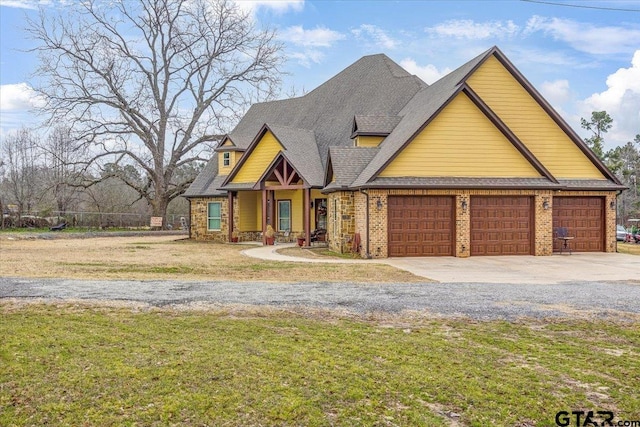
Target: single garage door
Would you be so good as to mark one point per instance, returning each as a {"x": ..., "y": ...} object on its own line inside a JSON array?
[
  {"x": 501, "y": 225},
  {"x": 584, "y": 219},
  {"x": 420, "y": 226}
]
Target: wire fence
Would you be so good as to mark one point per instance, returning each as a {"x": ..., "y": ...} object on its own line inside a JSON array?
[{"x": 102, "y": 220}]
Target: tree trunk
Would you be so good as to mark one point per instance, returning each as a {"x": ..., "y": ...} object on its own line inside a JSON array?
[{"x": 159, "y": 208}]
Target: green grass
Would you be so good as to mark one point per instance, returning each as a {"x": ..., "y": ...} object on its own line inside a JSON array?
[{"x": 65, "y": 365}]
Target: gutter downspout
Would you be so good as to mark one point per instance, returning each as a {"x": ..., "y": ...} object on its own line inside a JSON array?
[{"x": 367, "y": 254}]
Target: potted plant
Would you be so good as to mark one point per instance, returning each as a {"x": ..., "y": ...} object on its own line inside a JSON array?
[
  {"x": 234, "y": 236},
  {"x": 301, "y": 239},
  {"x": 270, "y": 235}
]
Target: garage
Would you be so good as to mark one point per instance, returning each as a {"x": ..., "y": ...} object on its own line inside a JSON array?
[
  {"x": 584, "y": 219},
  {"x": 421, "y": 226},
  {"x": 501, "y": 225}
]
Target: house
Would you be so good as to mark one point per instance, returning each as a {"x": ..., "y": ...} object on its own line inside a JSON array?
[{"x": 477, "y": 163}]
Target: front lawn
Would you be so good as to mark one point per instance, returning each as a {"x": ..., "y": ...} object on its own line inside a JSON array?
[
  {"x": 92, "y": 366},
  {"x": 171, "y": 257}
]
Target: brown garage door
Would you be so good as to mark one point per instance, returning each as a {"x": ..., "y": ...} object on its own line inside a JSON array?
[
  {"x": 584, "y": 219},
  {"x": 501, "y": 225},
  {"x": 421, "y": 226}
]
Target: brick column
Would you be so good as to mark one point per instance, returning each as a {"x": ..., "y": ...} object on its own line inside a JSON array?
[{"x": 463, "y": 225}]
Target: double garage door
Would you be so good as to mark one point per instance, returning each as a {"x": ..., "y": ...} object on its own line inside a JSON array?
[{"x": 500, "y": 225}]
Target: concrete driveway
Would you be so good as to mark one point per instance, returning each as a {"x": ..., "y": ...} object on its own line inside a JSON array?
[
  {"x": 589, "y": 267},
  {"x": 525, "y": 269}
]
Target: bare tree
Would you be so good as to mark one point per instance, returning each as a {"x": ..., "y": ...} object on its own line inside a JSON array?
[
  {"x": 20, "y": 158},
  {"x": 63, "y": 174},
  {"x": 152, "y": 83}
]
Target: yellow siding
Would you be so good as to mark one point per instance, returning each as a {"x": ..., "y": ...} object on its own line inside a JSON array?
[
  {"x": 260, "y": 158},
  {"x": 233, "y": 159},
  {"x": 531, "y": 124},
  {"x": 297, "y": 215},
  {"x": 368, "y": 141},
  {"x": 460, "y": 141},
  {"x": 248, "y": 203},
  {"x": 227, "y": 143}
]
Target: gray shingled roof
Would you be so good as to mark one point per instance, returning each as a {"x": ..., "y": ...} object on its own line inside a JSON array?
[
  {"x": 207, "y": 182},
  {"x": 301, "y": 150},
  {"x": 463, "y": 182},
  {"x": 375, "y": 124},
  {"x": 373, "y": 85},
  {"x": 590, "y": 184},
  {"x": 347, "y": 164},
  {"x": 382, "y": 98}
]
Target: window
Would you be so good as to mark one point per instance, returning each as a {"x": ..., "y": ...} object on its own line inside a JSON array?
[
  {"x": 213, "y": 216},
  {"x": 226, "y": 159},
  {"x": 284, "y": 215}
]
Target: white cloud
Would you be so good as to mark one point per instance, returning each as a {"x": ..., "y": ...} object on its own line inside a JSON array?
[
  {"x": 279, "y": 6},
  {"x": 556, "y": 92},
  {"x": 21, "y": 4},
  {"x": 468, "y": 29},
  {"x": 310, "y": 42},
  {"x": 429, "y": 73},
  {"x": 307, "y": 57},
  {"x": 318, "y": 37},
  {"x": 621, "y": 100},
  {"x": 587, "y": 37},
  {"x": 374, "y": 35},
  {"x": 18, "y": 96}
]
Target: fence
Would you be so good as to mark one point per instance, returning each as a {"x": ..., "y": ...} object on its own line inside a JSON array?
[{"x": 108, "y": 219}]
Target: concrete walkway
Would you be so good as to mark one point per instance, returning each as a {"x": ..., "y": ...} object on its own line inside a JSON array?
[{"x": 597, "y": 267}]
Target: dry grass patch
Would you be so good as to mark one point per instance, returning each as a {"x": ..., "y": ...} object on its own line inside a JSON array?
[
  {"x": 168, "y": 257},
  {"x": 629, "y": 248}
]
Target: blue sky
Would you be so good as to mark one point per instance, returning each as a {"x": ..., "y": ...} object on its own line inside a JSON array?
[{"x": 581, "y": 59}]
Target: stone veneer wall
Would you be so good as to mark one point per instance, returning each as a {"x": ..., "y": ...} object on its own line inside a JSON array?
[
  {"x": 353, "y": 206},
  {"x": 340, "y": 220},
  {"x": 199, "y": 229}
]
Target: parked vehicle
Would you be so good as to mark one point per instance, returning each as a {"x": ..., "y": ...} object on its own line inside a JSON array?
[{"x": 621, "y": 233}]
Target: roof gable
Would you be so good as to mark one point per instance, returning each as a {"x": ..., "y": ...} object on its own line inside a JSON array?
[
  {"x": 257, "y": 159},
  {"x": 462, "y": 142},
  {"x": 530, "y": 117},
  {"x": 298, "y": 146},
  {"x": 430, "y": 102}
]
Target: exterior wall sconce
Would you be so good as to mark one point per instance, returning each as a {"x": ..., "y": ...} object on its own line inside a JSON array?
[
  {"x": 464, "y": 206},
  {"x": 612, "y": 205},
  {"x": 379, "y": 204},
  {"x": 311, "y": 204},
  {"x": 545, "y": 204}
]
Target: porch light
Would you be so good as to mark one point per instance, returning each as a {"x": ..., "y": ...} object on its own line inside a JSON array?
[
  {"x": 464, "y": 206},
  {"x": 545, "y": 204},
  {"x": 612, "y": 205},
  {"x": 379, "y": 204}
]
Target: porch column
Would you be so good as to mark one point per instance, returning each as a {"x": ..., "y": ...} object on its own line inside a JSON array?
[
  {"x": 272, "y": 213},
  {"x": 307, "y": 222},
  {"x": 264, "y": 216},
  {"x": 230, "y": 222}
]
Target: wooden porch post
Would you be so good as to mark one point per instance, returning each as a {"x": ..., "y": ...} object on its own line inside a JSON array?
[
  {"x": 230, "y": 222},
  {"x": 264, "y": 216},
  {"x": 272, "y": 211},
  {"x": 307, "y": 222}
]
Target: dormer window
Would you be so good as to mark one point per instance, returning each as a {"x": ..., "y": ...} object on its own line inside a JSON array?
[{"x": 226, "y": 159}]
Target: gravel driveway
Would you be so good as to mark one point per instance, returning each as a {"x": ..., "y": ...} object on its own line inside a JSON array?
[{"x": 480, "y": 301}]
